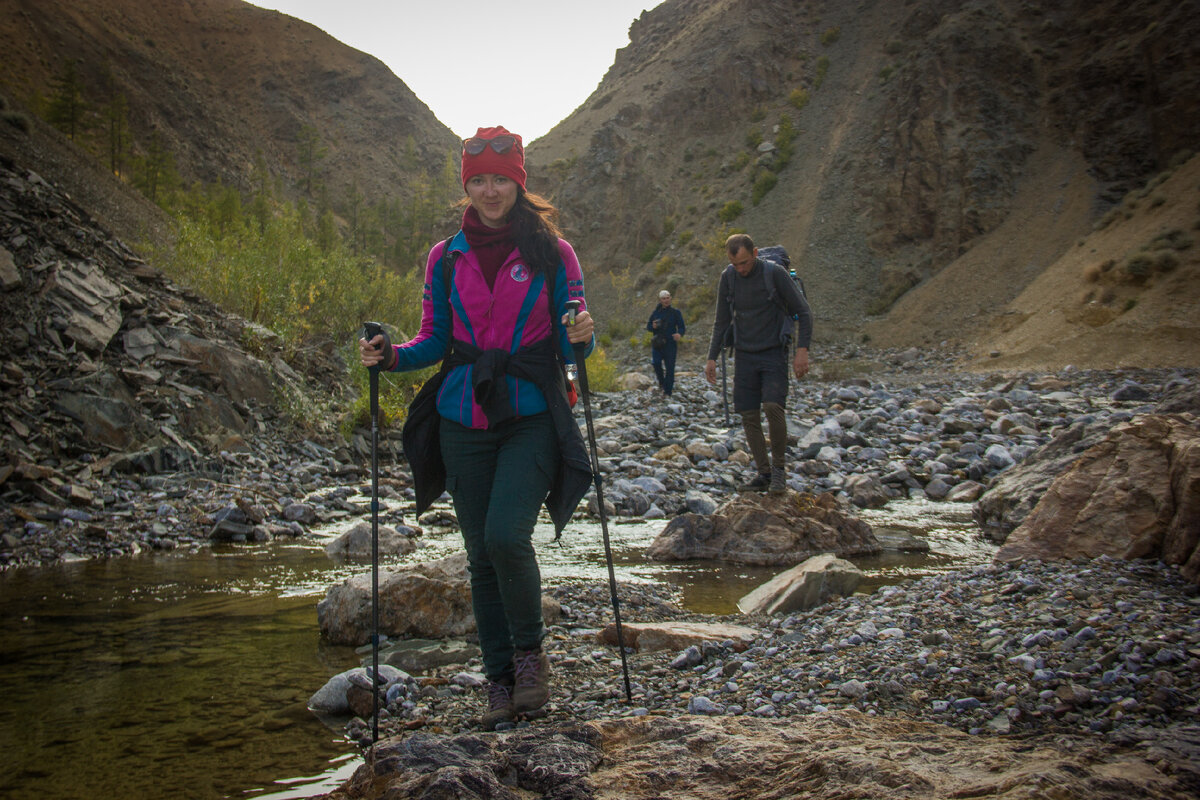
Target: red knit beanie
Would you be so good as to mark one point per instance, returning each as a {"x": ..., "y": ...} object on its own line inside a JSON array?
[{"x": 510, "y": 164}]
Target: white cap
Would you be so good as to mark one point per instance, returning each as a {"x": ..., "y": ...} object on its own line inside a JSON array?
[{"x": 663, "y": 293}]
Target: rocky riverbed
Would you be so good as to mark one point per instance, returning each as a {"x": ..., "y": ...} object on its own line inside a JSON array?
[
  {"x": 1089, "y": 653},
  {"x": 1045, "y": 657},
  {"x": 1108, "y": 648}
]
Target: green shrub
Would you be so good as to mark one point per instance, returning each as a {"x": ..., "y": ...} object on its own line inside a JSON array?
[
  {"x": 1166, "y": 261},
  {"x": 663, "y": 266},
  {"x": 1138, "y": 267},
  {"x": 1174, "y": 239},
  {"x": 278, "y": 277},
  {"x": 602, "y": 373},
  {"x": 686, "y": 236},
  {"x": 830, "y": 36},
  {"x": 619, "y": 328},
  {"x": 822, "y": 71},
  {"x": 396, "y": 391},
  {"x": 754, "y": 138},
  {"x": 700, "y": 300},
  {"x": 649, "y": 251},
  {"x": 17, "y": 120},
  {"x": 799, "y": 98},
  {"x": 764, "y": 183},
  {"x": 1108, "y": 218},
  {"x": 730, "y": 211}
]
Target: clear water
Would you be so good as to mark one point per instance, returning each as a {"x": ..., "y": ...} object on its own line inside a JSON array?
[{"x": 187, "y": 675}]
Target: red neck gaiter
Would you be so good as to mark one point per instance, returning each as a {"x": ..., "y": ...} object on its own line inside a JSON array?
[{"x": 490, "y": 245}]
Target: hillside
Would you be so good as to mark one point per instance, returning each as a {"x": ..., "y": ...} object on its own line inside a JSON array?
[
  {"x": 228, "y": 86},
  {"x": 930, "y": 165},
  {"x": 946, "y": 154}
]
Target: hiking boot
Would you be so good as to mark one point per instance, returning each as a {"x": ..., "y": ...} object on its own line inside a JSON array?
[
  {"x": 531, "y": 687},
  {"x": 759, "y": 483},
  {"x": 500, "y": 706},
  {"x": 778, "y": 481}
]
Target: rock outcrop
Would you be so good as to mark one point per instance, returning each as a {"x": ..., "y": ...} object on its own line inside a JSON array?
[
  {"x": 833, "y": 755},
  {"x": 1136, "y": 494}
]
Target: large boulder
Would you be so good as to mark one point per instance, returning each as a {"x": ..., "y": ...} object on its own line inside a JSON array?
[
  {"x": 769, "y": 530},
  {"x": 804, "y": 586},
  {"x": 426, "y": 601},
  {"x": 356, "y": 542},
  {"x": 431, "y": 600},
  {"x": 236, "y": 374},
  {"x": 1136, "y": 494},
  {"x": 1014, "y": 493}
]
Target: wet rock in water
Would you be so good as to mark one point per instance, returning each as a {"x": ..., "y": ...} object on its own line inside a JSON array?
[
  {"x": 766, "y": 530},
  {"x": 357, "y": 542},
  {"x": 804, "y": 586},
  {"x": 427, "y": 601}
]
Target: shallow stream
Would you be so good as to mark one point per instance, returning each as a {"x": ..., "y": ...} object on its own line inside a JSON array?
[{"x": 186, "y": 675}]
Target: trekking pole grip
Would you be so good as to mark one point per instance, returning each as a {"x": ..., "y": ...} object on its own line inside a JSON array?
[
  {"x": 370, "y": 331},
  {"x": 572, "y": 310}
]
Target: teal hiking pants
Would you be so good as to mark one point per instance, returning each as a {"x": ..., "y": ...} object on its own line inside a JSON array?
[{"x": 499, "y": 479}]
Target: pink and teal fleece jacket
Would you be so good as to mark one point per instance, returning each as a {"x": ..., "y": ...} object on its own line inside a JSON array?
[{"x": 510, "y": 315}]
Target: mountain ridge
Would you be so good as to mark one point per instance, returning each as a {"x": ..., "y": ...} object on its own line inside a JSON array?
[{"x": 922, "y": 138}]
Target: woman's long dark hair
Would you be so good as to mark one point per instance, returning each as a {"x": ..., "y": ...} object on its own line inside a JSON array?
[{"x": 535, "y": 230}]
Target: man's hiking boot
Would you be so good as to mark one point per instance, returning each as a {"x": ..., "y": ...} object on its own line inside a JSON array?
[
  {"x": 531, "y": 688},
  {"x": 778, "y": 481},
  {"x": 500, "y": 705},
  {"x": 759, "y": 483}
]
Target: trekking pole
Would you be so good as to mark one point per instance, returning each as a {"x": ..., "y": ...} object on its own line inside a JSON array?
[
  {"x": 370, "y": 331},
  {"x": 572, "y": 309},
  {"x": 724, "y": 388}
]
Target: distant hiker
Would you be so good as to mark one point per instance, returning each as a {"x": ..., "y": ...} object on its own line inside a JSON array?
[
  {"x": 758, "y": 305},
  {"x": 666, "y": 324},
  {"x": 500, "y": 420}
]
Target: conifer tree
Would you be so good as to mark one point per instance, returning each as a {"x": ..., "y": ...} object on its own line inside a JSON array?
[
  {"x": 66, "y": 108},
  {"x": 309, "y": 153}
]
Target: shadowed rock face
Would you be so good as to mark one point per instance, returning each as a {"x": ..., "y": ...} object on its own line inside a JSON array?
[
  {"x": 767, "y": 530},
  {"x": 832, "y": 755},
  {"x": 1136, "y": 494}
]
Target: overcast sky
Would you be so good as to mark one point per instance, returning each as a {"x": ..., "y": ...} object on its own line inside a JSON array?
[{"x": 523, "y": 64}]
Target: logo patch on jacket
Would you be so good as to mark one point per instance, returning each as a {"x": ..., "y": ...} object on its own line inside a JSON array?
[{"x": 519, "y": 273}]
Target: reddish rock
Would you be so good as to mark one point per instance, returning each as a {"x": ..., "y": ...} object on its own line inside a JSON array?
[{"x": 1136, "y": 494}]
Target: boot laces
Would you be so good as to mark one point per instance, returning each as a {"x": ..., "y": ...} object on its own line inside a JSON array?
[
  {"x": 498, "y": 695},
  {"x": 527, "y": 668}
]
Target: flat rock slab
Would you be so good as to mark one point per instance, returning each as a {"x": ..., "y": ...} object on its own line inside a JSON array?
[
  {"x": 837, "y": 754},
  {"x": 645, "y": 637}
]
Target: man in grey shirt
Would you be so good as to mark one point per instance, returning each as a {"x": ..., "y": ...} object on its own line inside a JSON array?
[{"x": 757, "y": 302}]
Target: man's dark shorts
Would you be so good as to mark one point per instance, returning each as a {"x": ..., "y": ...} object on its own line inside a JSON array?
[{"x": 759, "y": 378}]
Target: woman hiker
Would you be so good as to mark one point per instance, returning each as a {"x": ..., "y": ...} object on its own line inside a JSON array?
[{"x": 507, "y": 436}]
